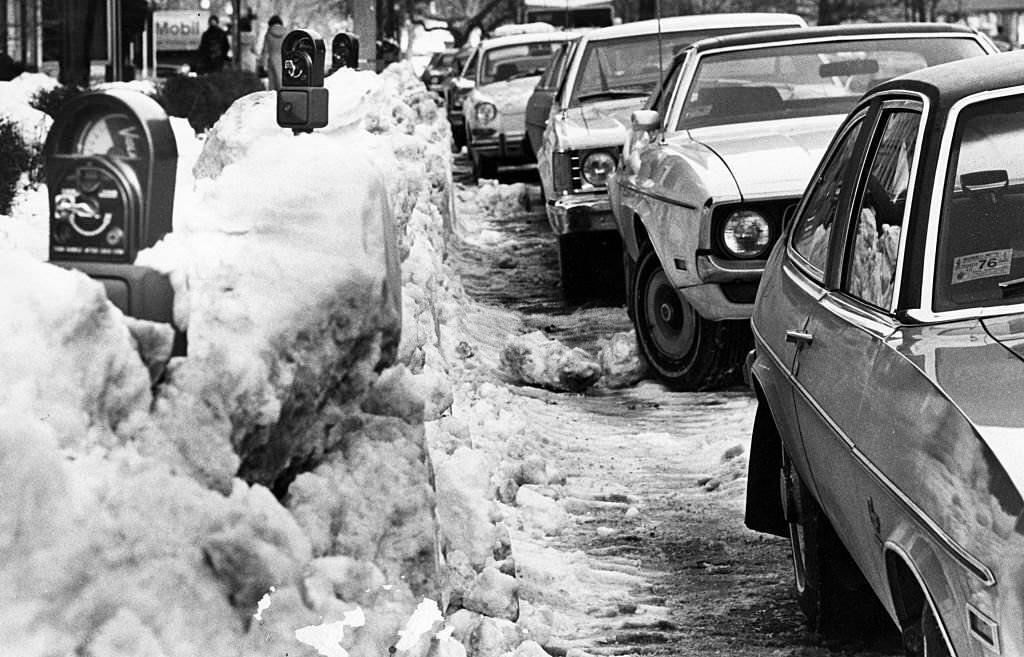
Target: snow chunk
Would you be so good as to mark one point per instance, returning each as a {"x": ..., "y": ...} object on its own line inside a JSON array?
[
  {"x": 423, "y": 621},
  {"x": 326, "y": 638},
  {"x": 536, "y": 360},
  {"x": 622, "y": 365}
]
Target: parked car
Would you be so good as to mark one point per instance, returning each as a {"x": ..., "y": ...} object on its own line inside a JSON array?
[
  {"x": 538, "y": 106},
  {"x": 723, "y": 150},
  {"x": 494, "y": 111},
  {"x": 611, "y": 72},
  {"x": 442, "y": 65},
  {"x": 454, "y": 90},
  {"x": 888, "y": 331}
]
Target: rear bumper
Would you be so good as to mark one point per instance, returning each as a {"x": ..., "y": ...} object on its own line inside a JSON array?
[{"x": 581, "y": 213}]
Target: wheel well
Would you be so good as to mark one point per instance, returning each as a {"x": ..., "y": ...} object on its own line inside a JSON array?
[
  {"x": 764, "y": 512},
  {"x": 907, "y": 595},
  {"x": 640, "y": 231}
]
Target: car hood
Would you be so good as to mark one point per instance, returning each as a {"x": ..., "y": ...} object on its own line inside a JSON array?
[
  {"x": 980, "y": 364},
  {"x": 771, "y": 158},
  {"x": 598, "y": 124},
  {"x": 509, "y": 95}
]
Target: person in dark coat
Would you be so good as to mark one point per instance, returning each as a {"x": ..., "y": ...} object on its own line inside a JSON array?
[{"x": 213, "y": 48}]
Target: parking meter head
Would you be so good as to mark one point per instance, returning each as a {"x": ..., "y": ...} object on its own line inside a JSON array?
[
  {"x": 110, "y": 164},
  {"x": 344, "y": 51},
  {"x": 303, "y": 53}
]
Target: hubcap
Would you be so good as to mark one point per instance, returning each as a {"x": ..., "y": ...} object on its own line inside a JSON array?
[{"x": 671, "y": 321}]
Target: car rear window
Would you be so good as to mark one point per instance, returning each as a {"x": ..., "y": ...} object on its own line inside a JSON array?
[
  {"x": 521, "y": 60},
  {"x": 980, "y": 250},
  {"x": 806, "y": 79}
]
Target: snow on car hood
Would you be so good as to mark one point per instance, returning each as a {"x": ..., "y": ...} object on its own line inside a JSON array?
[
  {"x": 602, "y": 123},
  {"x": 771, "y": 158},
  {"x": 509, "y": 96}
]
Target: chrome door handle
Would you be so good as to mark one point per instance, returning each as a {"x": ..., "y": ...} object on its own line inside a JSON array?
[{"x": 799, "y": 337}]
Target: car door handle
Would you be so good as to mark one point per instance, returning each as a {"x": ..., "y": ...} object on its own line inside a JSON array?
[{"x": 799, "y": 337}]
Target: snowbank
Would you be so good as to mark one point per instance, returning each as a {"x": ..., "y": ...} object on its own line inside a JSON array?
[{"x": 160, "y": 520}]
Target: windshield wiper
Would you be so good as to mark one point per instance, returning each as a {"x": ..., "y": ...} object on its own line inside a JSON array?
[
  {"x": 614, "y": 93},
  {"x": 1012, "y": 288}
]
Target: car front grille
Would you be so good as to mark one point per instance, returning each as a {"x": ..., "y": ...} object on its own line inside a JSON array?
[{"x": 576, "y": 170}]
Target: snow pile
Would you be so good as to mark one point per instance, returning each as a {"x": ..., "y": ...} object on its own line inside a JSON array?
[
  {"x": 277, "y": 479},
  {"x": 15, "y": 97},
  {"x": 534, "y": 359}
]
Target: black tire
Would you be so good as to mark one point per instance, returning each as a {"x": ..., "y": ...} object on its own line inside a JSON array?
[
  {"x": 924, "y": 637},
  {"x": 589, "y": 264},
  {"x": 483, "y": 166},
  {"x": 831, "y": 591},
  {"x": 685, "y": 350}
]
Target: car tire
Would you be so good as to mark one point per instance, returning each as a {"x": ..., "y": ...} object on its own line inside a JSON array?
[
  {"x": 684, "y": 349},
  {"x": 589, "y": 264},
  {"x": 924, "y": 638},
  {"x": 484, "y": 167},
  {"x": 830, "y": 589}
]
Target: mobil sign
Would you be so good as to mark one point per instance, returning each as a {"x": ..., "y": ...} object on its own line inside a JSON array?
[{"x": 179, "y": 30}]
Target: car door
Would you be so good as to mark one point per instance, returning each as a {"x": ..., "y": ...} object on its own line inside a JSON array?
[
  {"x": 789, "y": 297},
  {"x": 846, "y": 374},
  {"x": 538, "y": 107}
]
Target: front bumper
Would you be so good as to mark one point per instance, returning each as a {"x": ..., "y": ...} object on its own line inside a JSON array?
[
  {"x": 711, "y": 302},
  {"x": 580, "y": 213},
  {"x": 509, "y": 147},
  {"x": 715, "y": 269}
]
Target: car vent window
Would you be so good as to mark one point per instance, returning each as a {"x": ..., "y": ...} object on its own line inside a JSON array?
[
  {"x": 814, "y": 225},
  {"x": 881, "y": 211}
]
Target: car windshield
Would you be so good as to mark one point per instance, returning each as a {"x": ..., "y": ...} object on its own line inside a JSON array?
[
  {"x": 980, "y": 253},
  {"x": 631, "y": 66},
  {"x": 517, "y": 61},
  {"x": 806, "y": 79}
]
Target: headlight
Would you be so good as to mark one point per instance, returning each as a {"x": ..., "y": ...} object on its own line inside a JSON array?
[
  {"x": 746, "y": 234},
  {"x": 486, "y": 112},
  {"x": 597, "y": 166}
]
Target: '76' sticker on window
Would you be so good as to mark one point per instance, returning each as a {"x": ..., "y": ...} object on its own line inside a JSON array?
[{"x": 982, "y": 265}]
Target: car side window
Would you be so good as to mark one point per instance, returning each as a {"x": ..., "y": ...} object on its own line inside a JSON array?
[
  {"x": 814, "y": 225},
  {"x": 881, "y": 210},
  {"x": 550, "y": 75},
  {"x": 664, "y": 94}
]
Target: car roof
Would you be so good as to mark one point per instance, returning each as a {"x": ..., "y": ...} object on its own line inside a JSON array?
[
  {"x": 701, "y": 22},
  {"x": 947, "y": 83},
  {"x": 534, "y": 37},
  {"x": 816, "y": 33}
]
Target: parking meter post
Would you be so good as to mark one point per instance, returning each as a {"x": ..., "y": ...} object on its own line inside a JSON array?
[
  {"x": 110, "y": 163},
  {"x": 302, "y": 100}
]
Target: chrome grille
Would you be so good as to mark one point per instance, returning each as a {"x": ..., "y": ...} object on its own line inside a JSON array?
[{"x": 576, "y": 170}]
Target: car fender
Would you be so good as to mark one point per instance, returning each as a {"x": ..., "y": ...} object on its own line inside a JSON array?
[{"x": 672, "y": 192}]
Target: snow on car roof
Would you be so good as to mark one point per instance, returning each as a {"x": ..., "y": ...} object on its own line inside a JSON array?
[
  {"x": 515, "y": 39},
  {"x": 702, "y": 22}
]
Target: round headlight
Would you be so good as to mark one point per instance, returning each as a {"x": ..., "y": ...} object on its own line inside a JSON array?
[
  {"x": 746, "y": 234},
  {"x": 486, "y": 112},
  {"x": 597, "y": 166}
]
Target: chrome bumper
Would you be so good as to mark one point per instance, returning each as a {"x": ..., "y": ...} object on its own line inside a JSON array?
[
  {"x": 712, "y": 269},
  {"x": 711, "y": 303},
  {"x": 580, "y": 213},
  {"x": 505, "y": 146}
]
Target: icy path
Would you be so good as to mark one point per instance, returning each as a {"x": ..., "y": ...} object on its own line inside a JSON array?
[{"x": 642, "y": 550}]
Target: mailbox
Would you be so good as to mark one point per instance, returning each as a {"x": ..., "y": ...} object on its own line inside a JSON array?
[
  {"x": 302, "y": 98},
  {"x": 110, "y": 161},
  {"x": 344, "y": 51}
]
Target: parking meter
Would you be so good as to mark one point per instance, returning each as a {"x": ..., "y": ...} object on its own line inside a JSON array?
[
  {"x": 110, "y": 164},
  {"x": 344, "y": 51},
  {"x": 302, "y": 98}
]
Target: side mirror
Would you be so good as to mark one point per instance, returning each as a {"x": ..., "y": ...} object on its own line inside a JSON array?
[{"x": 645, "y": 120}]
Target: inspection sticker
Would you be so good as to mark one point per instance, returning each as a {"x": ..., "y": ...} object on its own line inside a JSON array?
[{"x": 987, "y": 264}]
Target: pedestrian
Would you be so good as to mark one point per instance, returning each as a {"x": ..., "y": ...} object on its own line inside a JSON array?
[
  {"x": 213, "y": 48},
  {"x": 270, "y": 58}
]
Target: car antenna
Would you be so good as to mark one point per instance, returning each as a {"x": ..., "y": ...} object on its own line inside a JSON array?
[{"x": 661, "y": 64}]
